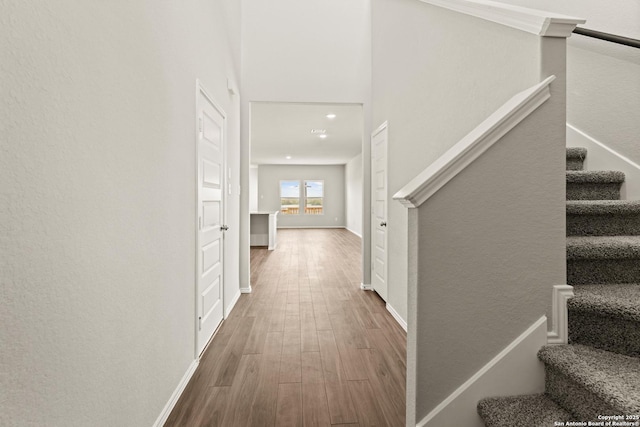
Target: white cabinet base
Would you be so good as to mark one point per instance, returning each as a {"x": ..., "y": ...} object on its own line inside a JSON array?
[{"x": 264, "y": 226}]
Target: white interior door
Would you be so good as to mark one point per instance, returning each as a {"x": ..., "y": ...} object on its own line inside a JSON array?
[
  {"x": 210, "y": 254},
  {"x": 379, "y": 210}
]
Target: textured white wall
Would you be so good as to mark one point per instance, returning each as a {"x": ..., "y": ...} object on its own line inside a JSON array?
[
  {"x": 353, "y": 181},
  {"x": 253, "y": 189},
  {"x": 269, "y": 177},
  {"x": 97, "y": 166},
  {"x": 603, "y": 79},
  {"x": 431, "y": 69},
  {"x": 309, "y": 51},
  {"x": 603, "y": 99},
  {"x": 305, "y": 51}
]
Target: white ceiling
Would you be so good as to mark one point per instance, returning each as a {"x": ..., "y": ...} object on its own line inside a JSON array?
[{"x": 280, "y": 129}]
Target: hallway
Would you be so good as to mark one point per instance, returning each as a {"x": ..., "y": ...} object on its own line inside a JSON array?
[{"x": 306, "y": 347}]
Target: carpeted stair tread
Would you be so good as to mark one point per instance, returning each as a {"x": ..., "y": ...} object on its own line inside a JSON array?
[
  {"x": 576, "y": 152},
  {"x": 595, "y": 177},
  {"x": 603, "y": 207},
  {"x": 535, "y": 410},
  {"x": 619, "y": 300},
  {"x": 575, "y": 158},
  {"x": 613, "y": 379},
  {"x": 603, "y": 217},
  {"x": 606, "y": 317},
  {"x": 603, "y": 247},
  {"x": 592, "y": 185}
]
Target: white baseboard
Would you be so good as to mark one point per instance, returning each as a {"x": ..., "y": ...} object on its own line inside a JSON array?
[
  {"x": 366, "y": 287},
  {"x": 232, "y": 304},
  {"x": 515, "y": 370},
  {"x": 559, "y": 333},
  {"x": 176, "y": 394},
  {"x": 357, "y": 234},
  {"x": 246, "y": 290},
  {"x": 396, "y": 316},
  {"x": 602, "y": 157}
]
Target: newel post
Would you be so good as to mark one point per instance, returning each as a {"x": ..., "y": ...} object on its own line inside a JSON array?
[{"x": 412, "y": 312}]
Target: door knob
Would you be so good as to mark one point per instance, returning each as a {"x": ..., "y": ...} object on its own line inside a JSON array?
[
  {"x": 383, "y": 224},
  {"x": 224, "y": 227}
]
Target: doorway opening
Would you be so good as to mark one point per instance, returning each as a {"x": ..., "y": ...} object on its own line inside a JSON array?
[{"x": 306, "y": 169}]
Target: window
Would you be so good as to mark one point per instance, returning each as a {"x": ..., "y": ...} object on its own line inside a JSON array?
[
  {"x": 313, "y": 197},
  {"x": 289, "y": 197}
]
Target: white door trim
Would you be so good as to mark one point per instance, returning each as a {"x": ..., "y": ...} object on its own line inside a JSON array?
[
  {"x": 380, "y": 128},
  {"x": 200, "y": 89}
]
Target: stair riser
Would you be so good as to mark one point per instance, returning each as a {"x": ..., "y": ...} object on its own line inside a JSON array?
[
  {"x": 603, "y": 225},
  {"x": 600, "y": 330},
  {"x": 575, "y": 164},
  {"x": 593, "y": 191},
  {"x": 588, "y": 271},
  {"x": 573, "y": 397}
]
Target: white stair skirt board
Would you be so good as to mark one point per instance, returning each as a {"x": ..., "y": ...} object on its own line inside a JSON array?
[
  {"x": 515, "y": 370},
  {"x": 176, "y": 394},
  {"x": 559, "y": 333},
  {"x": 232, "y": 304},
  {"x": 601, "y": 157},
  {"x": 246, "y": 290},
  {"x": 365, "y": 287},
  {"x": 396, "y": 316}
]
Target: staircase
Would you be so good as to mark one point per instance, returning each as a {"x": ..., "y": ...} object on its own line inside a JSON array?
[{"x": 598, "y": 372}]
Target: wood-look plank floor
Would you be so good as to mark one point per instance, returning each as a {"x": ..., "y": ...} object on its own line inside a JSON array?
[{"x": 306, "y": 348}]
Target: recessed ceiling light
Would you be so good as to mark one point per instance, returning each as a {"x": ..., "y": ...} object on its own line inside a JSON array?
[
  {"x": 323, "y": 136},
  {"x": 288, "y": 157},
  {"x": 318, "y": 131},
  {"x": 331, "y": 116}
]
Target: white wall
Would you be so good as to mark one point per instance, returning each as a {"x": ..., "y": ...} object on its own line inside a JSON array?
[
  {"x": 353, "y": 194},
  {"x": 253, "y": 189},
  {"x": 269, "y": 177},
  {"x": 419, "y": 92},
  {"x": 603, "y": 79},
  {"x": 603, "y": 97},
  {"x": 310, "y": 51},
  {"x": 98, "y": 202}
]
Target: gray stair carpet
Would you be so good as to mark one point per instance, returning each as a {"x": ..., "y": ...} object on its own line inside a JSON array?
[
  {"x": 590, "y": 185},
  {"x": 606, "y": 317},
  {"x": 589, "y": 382},
  {"x": 598, "y": 372},
  {"x": 575, "y": 158},
  {"x": 603, "y": 259},
  {"x": 603, "y": 217},
  {"x": 535, "y": 410}
]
